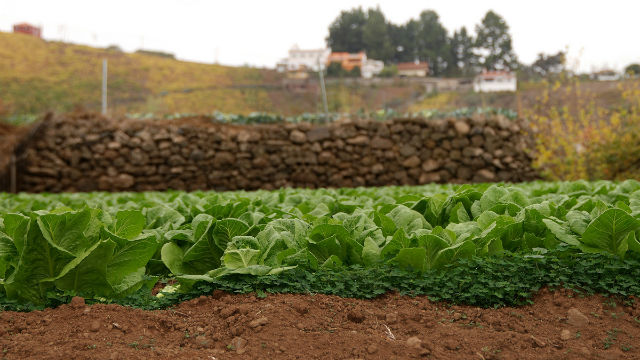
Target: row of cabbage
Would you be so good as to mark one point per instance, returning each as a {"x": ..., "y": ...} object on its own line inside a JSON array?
[
  {"x": 321, "y": 118},
  {"x": 111, "y": 244}
]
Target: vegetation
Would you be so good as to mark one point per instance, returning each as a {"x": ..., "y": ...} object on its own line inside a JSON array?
[
  {"x": 112, "y": 245},
  {"x": 425, "y": 39}
]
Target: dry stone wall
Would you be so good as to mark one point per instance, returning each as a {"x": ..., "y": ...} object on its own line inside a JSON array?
[{"x": 87, "y": 152}]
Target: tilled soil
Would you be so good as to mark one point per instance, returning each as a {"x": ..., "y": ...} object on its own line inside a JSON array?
[{"x": 560, "y": 325}]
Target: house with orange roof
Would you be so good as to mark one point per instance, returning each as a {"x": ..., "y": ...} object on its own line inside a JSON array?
[
  {"x": 413, "y": 69},
  {"x": 494, "y": 81}
]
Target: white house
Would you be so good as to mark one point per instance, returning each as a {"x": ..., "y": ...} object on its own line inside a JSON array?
[
  {"x": 301, "y": 59},
  {"x": 606, "y": 75},
  {"x": 371, "y": 67},
  {"x": 491, "y": 81}
]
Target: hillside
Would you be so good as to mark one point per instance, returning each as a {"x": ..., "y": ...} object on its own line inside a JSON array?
[{"x": 38, "y": 75}]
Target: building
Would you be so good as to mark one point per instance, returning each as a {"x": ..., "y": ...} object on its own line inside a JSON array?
[
  {"x": 28, "y": 29},
  {"x": 302, "y": 60},
  {"x": 371, "y": 68},
  {"x": 605, "y": 75},
  {"x": 349, "y": 61},
  {"x": 492, "y": 81},
  {"x": 413, "y": 69}
]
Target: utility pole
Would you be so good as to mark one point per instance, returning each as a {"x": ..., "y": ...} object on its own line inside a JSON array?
[
  {"x": 324, "y": 91},
  {"x": 104, "y": 86}
]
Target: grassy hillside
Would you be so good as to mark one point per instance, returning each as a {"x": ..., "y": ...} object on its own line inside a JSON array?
[{"x": 38, "y": 75}]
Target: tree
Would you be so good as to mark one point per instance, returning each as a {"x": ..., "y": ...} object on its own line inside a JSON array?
[
  {"x": 494, "y": 43},
  {"x": 404, "y": 40},
  {"x": 547, "y": 65},
  {"x": 632, "y": 70},
  {"x": 463, "y": 59},
  {"x": 346, "y": 31},
  {"x": 375, "y": 36},
  {"x": 432, "y": 45}
]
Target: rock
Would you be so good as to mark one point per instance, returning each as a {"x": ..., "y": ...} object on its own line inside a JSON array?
[
  {"x": 430, "y": 177},
  {"x": 413, "y": 161},
  {"x": 377, "y": 168},
  {"x": 223, "y": 158},
  {"x": 113, "y": 145},
  {"x": 355, "y": 316},
  {"x": 228, "y": 312},
  {"x": 239, "y": 344},
  {"x": 372, "y": 349},
  {"x": 196, "y": 155},
  {"x": 77, "y": 302},
  {"x": 414, "y": 342},
  {"x": 258, "y": 322},
  {"x": 123, "y": 181},
  {"x": 391, "y": 317},
  {"x": 95, "y": 326},
  {"x": 462, "y": 127},
  {"x": 537, "y": 342},
  {"x": 565, "y": 334},
  {"x": 381, "y": 143},
  {"x": 318, "y": 134},
  {"x": 471, "y": 152},
  {"x": 358, "y": 140},
  {"x": 484, "y": 175},
  {"x": 298, "y": 137},
  {"x": 407, "y": 150},
  {"x": 430, "y": 165},
  {"x": 138, "y": 157},
  {"x": 576, "y": 318}
]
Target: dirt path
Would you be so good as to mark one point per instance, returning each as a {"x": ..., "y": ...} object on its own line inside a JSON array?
[{"x": 559, "y": 326}]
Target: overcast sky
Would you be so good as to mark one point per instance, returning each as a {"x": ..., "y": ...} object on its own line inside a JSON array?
[{"x": 598, "y": 34}]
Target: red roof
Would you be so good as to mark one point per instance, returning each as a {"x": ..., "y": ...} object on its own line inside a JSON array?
[{"x": 413, "y": 66}]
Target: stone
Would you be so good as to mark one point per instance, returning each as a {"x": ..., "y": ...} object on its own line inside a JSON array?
[
  {"x": 565, "y": 334},
  {"x": 462, "y": 127},
  {"x": 391, "y": 317},
  {"x": 318, "y": 134},
  {"x": 430, "y": 177},
  {"x": 407, "y": 150},
  {"x": 239, "y": 344},
  {"x": 576, "y": 318},
  {"x": 298, "y": 137},
  {"x": 372, "y": 349},
  {"x": 138, "y": 157},
  {"x": 355, "y": 316},
  {"x": 430, "y": 165},
  {"x": 113, "y": 145},
  {"x": 223, "y": 158},
  {"x": 381, "y": 143},
  {"x": 77, "y": 302},
  {"x": 414, "y": 342},
  {"x": 358, "y": 140},
  {"x": 196, "y": 155},
  {"x": 377, "y": 168},
  {"x": 537, "y": 342},
  {"x": 413, "y": 161},
  {"x": 484, "y": 175},
  {"x": 95, "y": 326},
  {"x": 123, "y": 181},
  {"x": 471, "y": 152},
  {"x": 258, "y": 322}
]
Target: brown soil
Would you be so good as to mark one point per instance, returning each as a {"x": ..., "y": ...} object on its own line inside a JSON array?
[{"x": 560, "y": 325}]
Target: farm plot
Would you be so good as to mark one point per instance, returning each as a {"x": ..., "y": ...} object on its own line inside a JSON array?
[{"x": 477, "y": 246}]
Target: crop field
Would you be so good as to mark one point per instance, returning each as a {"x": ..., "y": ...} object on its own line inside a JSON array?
[{"x": 471, "y": 246}]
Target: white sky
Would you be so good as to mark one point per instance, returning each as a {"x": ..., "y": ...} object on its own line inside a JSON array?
[{"x": 260, "y": 32}]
